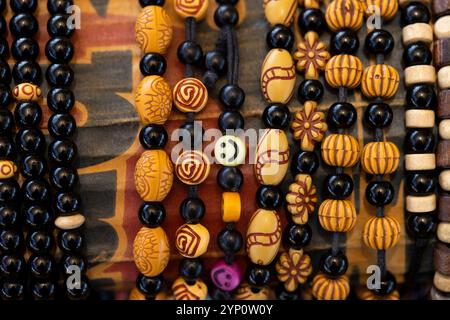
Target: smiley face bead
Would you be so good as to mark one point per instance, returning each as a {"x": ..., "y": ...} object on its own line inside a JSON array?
[
  {"x": 230, "y": 151},
  {"x": 190, "y": 95},
  {"x": 27, "y": 92},
  {"x": 191, "y": 8},
  {"x": 154, "y": 30},
  {"x": 153, "y": 100},
  {"x": 344, "y": 14},
  {"x": 184, "y": 291},
  {"x": 226, "y": 276},
  {"x": 192, "y": 240},
  {"x": 192, "y": 167}
]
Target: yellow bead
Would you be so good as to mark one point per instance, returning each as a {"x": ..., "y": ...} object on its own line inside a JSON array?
[
  {"x": 367, "y": 294},
  {"x": 153, "y": 100},
  {"x": 344, "y": 70},
  {"x": 301, "y": 198},
  {"x": 324, "y": 288},
  {"x": 7, "y": 169},
  {"x": 337, "y": 215},
  {"x": 154, "y": 30},
  {"x": 27, "y": 92},
  {"x": 272, "y": 157},
  {"x": 191, "y": 8},
  {"x": 385, "y": 8},
  {"x": 279, "y": 11},
  {"x": 263, "y": 236},
  {"x": 184, "y": 291},
  {"x": 381, "y": 233},
  {"x": 340, "y": 150},
  {"x": 380, "y": 80},
  {"x": 380, "y": 158},
  {"x": 293, "y": 268},
  {"x": 190, "y": 95},
  {"x": 153, "y": 175},
  {"x": 191, "y": 240},
  {"x": 311, "y": 55},
  {"x": 151, "y": 251},
  {"x": 344, "y": 14},
  {"x": 309, "y": 126},
  {"x": 192, "y": 167},
  {"x": 278, "y": 76},
  {"x": 245, "y": 292},
  {"x": 231, "y": 207},
  {"x": 135, "y": 294}
]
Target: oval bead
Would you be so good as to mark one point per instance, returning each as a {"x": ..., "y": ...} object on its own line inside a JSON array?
[
  {"x": 184, "y": 291},
  {"x": 272, "y": 157},
  {"x": 7, "y": 169},
  {"x": 27, "y": 92},
  {"x": 381, "y": 233},
  {"x": 344, "y": 70},
  {"x": 153, "y": 100},
  {"x": 263, "y": 236},
  {"x": 190, "y": 95},
  {"x": 191, "y": 8},
  {"x": 380, "y": 80},
  {"x": 301, "y": 198},
  {"x": 226, "y": 277},
  {"x": 280, "y": 11},
  {"x": 230, "y": 151},
  {"x": 191, "y": 240},
  {"x": 73, "y": 221},
  {"x": 344, "y": 14},
  {"x": 387, "y": 8},
  {"x": 380, "y": 158},
  {"x": 278, "y": 76},
  {"x": 192, "y": 167},
  {"x": 340, "y": 150},
  {"x": 337, "y": 215},
  {"x": 151, "y": 251},
  {"x": 154, "y": 30},
  {"x": 325, "y": 288},
  {"x": 293, "y": 268},
  {"x": 245, "y": 292},
  {"x": 153, "y": 175}
]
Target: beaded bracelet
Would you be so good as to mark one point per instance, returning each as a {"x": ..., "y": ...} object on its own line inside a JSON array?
[
  {"x": 441, "y": 281},
  {"x": 337, "y": 214},
  {"x": 153, "y": 175}
]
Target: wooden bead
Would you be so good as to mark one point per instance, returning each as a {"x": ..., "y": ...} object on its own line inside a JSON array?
[
  {"x": 154, "y": 30},
  {"x": 190, "y": 95},
  {"x": 293, "y": 268},
  {"x": 231, "y": 207},
  {"x": 444, "y": 77},
  {"x": 344, "y": 70},
  {"x": 272, "y": 157},
  {"x": 27, "y": 92},
  {"x": 387, "y": 8},
  {"x": 153, "y": 100},
  {"x": 7, "y": 169},
  {"x": 443, "y": 154},
  {"x": 325, "y": 288},
  {"x": 441, "y": 258},
  {"x": 344, "y": 14},
  {"x": 192, "y": 167},
  {"x": 263, "y": 236},
  {"x": 420, "y": 74},
  {"x": 444, "y": 207},
  {"x": 369, "y": 295},
  {"x": 441, "y": 53},
  {"x": 309, "y": 126},
  {"x": 435, "y": 294},
  {"x": 443, "y": 105},
  {"x": 337, "y": 215},
  {"x": 70, "y": 222},
  {"x": 442, "y": 27},
  {"x": 184, "y": 291},
  {"x": 381, "y": 233},
  {"x": 192, "y": 240},
  {"x": 136, "y": 295},
  {"x": 380, "y": 158},
  {"x": 340, "y": 150},
  {"x": 440, "y": 7},
  {"x": 191, "y": 8},
  {"x": 418, "y": 204},
  {"x": 380, "y": 80},
  {"x": 444, "y": 129},
  {"x": 153, "y": 175},
  {"x": 419, "y": 118},
  {"x": 301, "y": 198},
  {"x": 417, "y": 32},
  {"x": 245, "y": 292},
  {"x": 151, "y": 251},
  {"x": 441, "y": 282},
  {"x": 443, "y": 232},
  {"x": 444, "y": 180},
  {"x": 278, "y": 76},
  {"x": 226, "y": 277},
  {"x": 311, "y": 55},
  {"x": 420, "y": 161},
  {"x": 280, "y": 11},
  {"x": 230, "y": 151}
]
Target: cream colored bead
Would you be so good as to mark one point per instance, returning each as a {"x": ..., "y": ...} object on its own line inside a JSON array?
[
  {"x": 230, "y": 151},
  {"x": 419, "y": 118},
  {"x": 442, "y": 282},
  {"x": 420, "y": 161},
  {"x": 420, "y": 74},
  {"x": 417, "y": 32},
  {"x": 444, "y": 129},
  {"x": 70, "y": 222},
  {"x": 421, "y": 204},
  {"x": 442, "y": 27},
  {"x": 444, "y": 180},
  {"x": 443, "y": 232},
  {"x": 444, "y": 77}
]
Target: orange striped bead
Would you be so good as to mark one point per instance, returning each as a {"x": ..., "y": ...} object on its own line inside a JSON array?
[
  {"x": 380, "y": 80},
  {"x": 380, "y": 158},
  {"x": 344, "y": 70},
  {"x": 366, "y": 294},
  {"x": 337, "y": 215},
  {"x": 344, "y": 14},
  {"x": 381, "y": 233},
  {"x": 387, "y": 8},
  {"x": 340, "y": 150},
  {"x": 324, "y": 288}
]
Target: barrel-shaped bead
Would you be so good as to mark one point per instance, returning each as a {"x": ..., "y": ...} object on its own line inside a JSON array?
[
  {"x": 337, "y": 215},
  {"x": 344, "y": 70},
  {"x": 380, "y": 158},
  {"x": 344, "y": 14},
  {"x": 153, "y": 100},
  {"x": 154, "y": 30},
  {"x": 381, "y": 233},
  {"x": 340, "y": 150},
  {"x": 380, "y": 80},
  {"x": 325, "y": 288}
]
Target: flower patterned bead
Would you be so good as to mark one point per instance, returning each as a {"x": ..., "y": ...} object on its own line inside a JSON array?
[
  {"x": 309, "y": 126},
  {"x": 27, "y": 92},
  {"x": 387, "y": 8},
  {"x": 380, "y": 80},
  {"x": 344, "y": 70},
  {"x": 190, "y": 95},
  {"x": 192, "y": 240},
  {"x": 184, "y": 291},
  {"x": 153, "y": 100},
  {"x": 311, "y": 55},
  {"x": 324, "y": 288},
  {"x": 192, "y": 167},
  {"x": 226, "y": 276},
  {"x": 380, "y": 158},
  {"x": 301, "y": 198},
  {"x": 381, "y": 233},
  {"x": 7, "y": 169},
  {"x": 340, "y": 150},
  {"x": 337, "y": 215},
  {"x": 280, "y": 11},
  {"x": 154, "y": 30},
  {"x": 245, "y": 292},
  {"x": 293, "y": 268},
  {"x": 344, "y": 14},
  {"x": 191, "y": 8}
]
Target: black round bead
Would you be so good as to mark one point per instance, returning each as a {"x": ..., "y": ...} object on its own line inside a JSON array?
[
  {"x": 311, "y": 20},
  {"x": 334, "y": 265},
  {"x": 338, "y": 186},
  {"x": 36, "y": 191},
  {"x": 190, "y": 52},
  {"x": 276, "y": 116},
  {"x": 153, "y": 64},
  {"x": 69, "y": 260},
  {"x": 67, "y": 202},
  {"x": 36, "y": 216},
  {"x": 59, "y": 75},
  {"x": 280, "y": 37},
  {"x": 419, "y": 141},
  {"x": 40, "y": 241},
  {"x": 310, "y": 90},
  {"x": 304, "y": 162},
  {"x": 2, "y": 5},
  {"x": 7, "y": 148},
  {"x": 387, "y": 285},
  {"x": 6, "y": 122},
  {"x": 9, "y": 191},
  {"x": 44, "y": 291},
  {"x": 33, "y": 166},
  {"x": 379, "y": 193},
  {"x": 297, "y": 236},
  {"x": 28, "y": 114},
  {"x": 378, "y": 115},
  {"x": 421, "y": 96},
  {"x": 5, "y": 95},
  {"x": 258, "y": 276},
  {"x": 232, "y": 96},
  {"x": 5, "y": 72},
  {"x": 152, "y": 214},
  {"x": 230, "y": 178},
  {"x": 4, "y": 48},
  {"x": 23, "y": 5},
  {"x": 23, "y": 25},
  {"x": 12, "y": 290},
  {"x": 226, "y": 15},
  {"x": 12, "y": 265},
  {"x": 25, "y": 49},
  {"x": 70, "y": 241},
  {"x": 58, "y": 6},
  {"x": 415, "y": 12},
  {"x": 215, "y": 61},
  {"x": 11, "y": 240},
  {"x": 269, "y": 197},
  {"x": 60, "y": 100},
  {"x": 62, "y": 151},
  {"x": 341, "y": 115},
  {"x": 57, "y": 26},
  {"x": 27, "y": 71},
  {"x": 230, "y": 2},
  {"x": 30, "y": 140},
  {"x": 9, "y": 217},
  {"x": 153, "y": 136},
  {"x": 61, "y": 125},
  {"x": 379, "y": 41},
  {"x": 190, "y": 269},
  {"x": 80, "y": 292},
  {"x": 192, "y": 210},
  {"x": 421, "y": 225},
  {"x": 230, "y": 240},
  {"x": 344, "y": 42},
  {"x": 63, "y": 178},
  {"x": 41, "y": 266},
  {"x": 218, "y": 294},
  {"x": 420, "y": 183},
  {"x": 191, "y": 134},
  {"x": 59, "y": 50},
  {"x": 231, "y": 120},
  {"x": 145, "y": 3},
  {"x": 417, "y": 53}
]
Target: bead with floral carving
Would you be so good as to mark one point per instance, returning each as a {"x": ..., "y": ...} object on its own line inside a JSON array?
[
  {"x": 293, "y": 268},
  {"x": 309, "y": 126},
  {"x": 301, "y": 198},
  {"x": 311, "y": 55}
]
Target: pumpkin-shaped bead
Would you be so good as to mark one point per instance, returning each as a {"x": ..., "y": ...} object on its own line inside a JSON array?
[
  {"x": 380, "y": 158},
  {"x": 245, "y": 292},
  {"x": 344, "y": 70},
  {"x": 153, "y": 100},
  {"x": 27, "y": 92},
  {"x": 369, "y": 295},
  {"x": 280, "y": 11},
  {"x": 278, "y": 76},
  {"x": 192, "y": 167},
  {"x": 344, "y": 14},
  {"x": 337, "y": 215},
  {"x": 153, "y": 175},
  {"x": 263, "y": 236},
  {"x": 7, "y": 169},
  {"x": 190, "y": 95},
  {"x": 325, "y": 288},
  {"x": 380, "y": 80},
  {"x": 151, "y": 251},
  {"x": 381, "y": 233},
  {"x": 191, "y": 8},
  {"x": 293, "y": 268},
  {"x": 185, "y": 291},
  {"x": 154, "y": 30},
  {"x": 192, "y": 240},
  {"x": 301, "y": 198},
  {"x": 340, "y": 150},
  {"x": 385, "y": 8},
  {"x": 309, "y": 126}
]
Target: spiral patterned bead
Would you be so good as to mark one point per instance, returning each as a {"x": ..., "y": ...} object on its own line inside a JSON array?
[
  {"x": 344, "y": 70},
  {"x": 387, "y": 8},
  {"x": 340, "y": 150},
  {"x": 190, "y": 95},
  {"x": 344, "y": 14},
  {"x": 337, "y": 215},
  {"x": 192, "y": 167},
  {"x": 324, "y": 288},
  {"x": 380, "y": 158},
  {"x": 380, "y": 80},
  {"x": 191, "y": 240},
  {"x": 154, "y": 30},
  {"x": 381, "y": 233},
  {"x": 191, "y": 8}
]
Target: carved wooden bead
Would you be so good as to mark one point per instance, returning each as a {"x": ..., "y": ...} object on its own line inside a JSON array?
[
  {"x": 380, "y": 80},
  {"x": 441, "y": 258},
  {"x": 344, "y": 14},
  {"x": 381, "y": 233},
  {"x": 387, "y": 8},
  {"x": 444, "y": 207},
  {"x": 70, "y": 222},
  {"x": 192, "y": 240},
  {"x": 309, "y": 126},
  {"x": 443, "y": 232},
  {"x": 293, "y": 268},
  {"x": 340, "y": 150},
  {"x": 153, "y": 175},
  {"x": 230, "y": 151},
  {"x": 442, "y": 27},
  {"x": 443, "y": 105},
  {"x": 380, "y": 158},
  {"x": 272, "y": 157},
  {"x": 441, "y": 53},
  {"x": 27, "y": 92},
  {"x": 443, "y": 154},
  {"x": 418, "y": 204},
  {"x": 344, "y": 70},
  {"x": 231, "y": 207},
  {"x": 442, "y": 282},
  {"x": 441, "y": 7},
  {"x": 337, "y": 215},
  {"x": 420, "y": 74},
  {"x": 419, "y": 118},
  {"x": 151, "y": 251},
  {"x": 7, "y": 169},
  {"x": 154, "y": 30},
  {"x": 153, "y": 100},
  {"x": 190, "y": 95},
  {"x": 369, "y": 295},
  {"x": 444, "y": 77},
  {"x": 184, "y": 291},
  {"x": 245, "y": 292},
  {"x": 301, "y": 198},
  {"x": 325, "y": 288},
  {"x": 280, "y": 11},
  {"x": 191, "y": 8},
  {"x": 192, "y": 167},
  {"x": 420, "y": 161},
  {"x": 263, "y": 236},
  {"x": 444, "y": 180},
  {"x": 444, "y": 129},
  {"x": 417, "y": 32},
  {"x": 278, "y": 76},
  {"x": 311, "y": 55}
]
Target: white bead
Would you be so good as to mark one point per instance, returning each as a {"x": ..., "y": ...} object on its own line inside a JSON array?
[
  {"x": 442, "y": 27},
  {"x": 444, "y": 77},
  {"x": 441, "y": 281},
  {"x": 443, "y": 231},
  {"x": 421, "y": 204},
  {"x": 420, "y": 74},
  {"x": 420, "y": 161},
  {"x": 419, "y": 118},
  {"x": 70, "y": 222},
  {"x": 417, "y": 32},
  {"x": 444, "y": 180},
  {"x": 230, "y": 151},
  {"x": 444, "y": 129}
]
